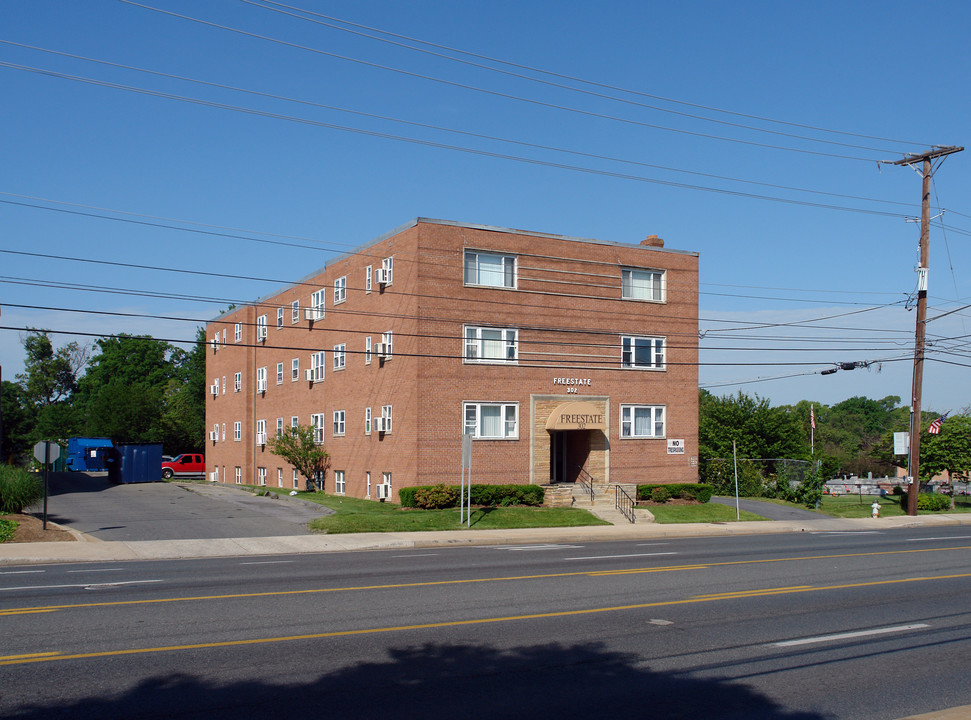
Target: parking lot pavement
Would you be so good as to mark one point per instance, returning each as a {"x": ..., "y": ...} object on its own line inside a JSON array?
[{"x": 89, "y": 503}]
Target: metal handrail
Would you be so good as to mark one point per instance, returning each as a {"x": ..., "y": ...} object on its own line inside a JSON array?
[
  {"x": 585, "y": 481},
  {"x": 624, "y": 502}
]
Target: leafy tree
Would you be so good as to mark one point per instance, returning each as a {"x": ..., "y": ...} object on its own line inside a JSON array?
[
  {"x": 950, "y": 450},
  {"x": 758, "y": 430},
  {"x": 183, "y": 417},
  {"x": 51, "y": 375},
  {"x": 299, "y": 449},
  {"x": 18, "y": 418}
]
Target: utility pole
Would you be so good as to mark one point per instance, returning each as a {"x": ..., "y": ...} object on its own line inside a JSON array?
[{"x": 927, "y": 170}]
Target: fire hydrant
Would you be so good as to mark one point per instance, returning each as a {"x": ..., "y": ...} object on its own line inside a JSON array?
[{"x": 875, "y": 508}]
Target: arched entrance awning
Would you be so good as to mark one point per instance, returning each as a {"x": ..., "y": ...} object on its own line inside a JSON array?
[{"x": 576, "y": 416}]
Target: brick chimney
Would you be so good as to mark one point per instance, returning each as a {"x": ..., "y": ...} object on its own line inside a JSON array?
[{"x": 653, "y": 241}]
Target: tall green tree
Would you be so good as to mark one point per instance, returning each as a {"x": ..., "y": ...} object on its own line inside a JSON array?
[
  {"x": 183, "y": 400},
  {"x": 299, "y": 449},
  {"x": 18, "y": 422},
  {"x": 950, "y": 450},
  {"x": 48, "y": 382},
  {"x": 759, "y": 431}
]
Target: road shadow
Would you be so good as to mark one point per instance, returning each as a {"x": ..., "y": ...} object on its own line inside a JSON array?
[
  {"x": 435, "y": 680},
  {"x": 65, "y": 483}
]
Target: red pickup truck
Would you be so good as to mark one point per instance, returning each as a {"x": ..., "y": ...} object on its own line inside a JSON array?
[{"x": 184, "y": 466}]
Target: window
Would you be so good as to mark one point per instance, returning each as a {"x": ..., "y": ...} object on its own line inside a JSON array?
[
  {"x": 386, "y": 480},
  {"x": 224, "y": 432},
  {"x": 215, "y": 386},
  {"x": 317, "y": 366},
  {"x": 385, "y": 420},
  {"x": 279, "y": 317},
  {"x": 237, "y": 431},
  {"x": 279, "y": 427},
  {"x": 367, "y": 279},
  {"x": 295, "y": 369},
  {"x": 490, "y": 344},
  {"x": 238, "y": 333},
  {"x": 261, "y": 328},
  {"x": 338, "y": 422},
  {"x": 294, "y": 424},
  {"x": 497, "y": 421},
  {"x": 295, "y": 311},
  {"x": 490, "y": 270},
  {"x": 387, "y": 341},
  {"x": 317, "y": 305},
  {"x": 642, "y": 284},
  {"x": 386, "y": 273},
  {"x": 215, "y": 344},
  {"x": 642, "y": 421},
  {"x": 261, "y": 432},
  {"x": 279, "y": 477},
  {"x": 215, "y": 432},
  {"x": 225, "y": 386},
  {"x": 317, "y": 422},
  {"x": 261, "y": 380},
  {"x": 296, "y": 480},
  {"x": 367, "y": 421},
  {"x": 340, "y": 356},
  {"x": 239, "y": 475},
  {"x": 367, "y": 478},
  {"x": 367, "y": 350},
  {"x": 340, "y": 289},
  {"x": 261, "y": 476},
  {"x": 339, "y": 482},
  {"x": 642, "y": 352},
  {"x": 279, "y": 373},
  {"x": 237, "y": 382}
]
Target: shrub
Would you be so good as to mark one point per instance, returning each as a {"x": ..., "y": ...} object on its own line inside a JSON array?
[
  {"x": 18, "y": 489},
  {"x": 897, "y": 490},
  {"x": 436, "y": 497},
  {"x": 483, "y": 495},
  {"x": 687, "y": 491},
  {"x": 660, "y": 495},
  {"x": 933, "y": 502},
  {"x": 7, "y": 530}
]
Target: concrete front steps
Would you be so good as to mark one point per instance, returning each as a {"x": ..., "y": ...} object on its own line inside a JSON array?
[{"x": 604, "y": 505}]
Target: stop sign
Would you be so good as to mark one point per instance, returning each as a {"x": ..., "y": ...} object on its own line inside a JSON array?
[{"x": 46, "y": 451}]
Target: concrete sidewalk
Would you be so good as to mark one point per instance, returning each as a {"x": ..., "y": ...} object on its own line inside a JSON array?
[{"x": 90, "y": 550}]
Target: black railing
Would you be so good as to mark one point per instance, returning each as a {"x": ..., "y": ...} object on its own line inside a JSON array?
[
  {"x": 624, "y": 502},
  {"x": 585, "y": 481}
]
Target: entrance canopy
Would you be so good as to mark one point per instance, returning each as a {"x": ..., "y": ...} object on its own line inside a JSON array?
[{"x": 576, "y": 416}]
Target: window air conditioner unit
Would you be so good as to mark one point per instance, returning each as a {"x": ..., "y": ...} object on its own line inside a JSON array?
[
  {"x": 381, "y": 350},
  {"x": 213, "y": 390},
  {"x": 261, "y": 333},
  {"x": 312, "y": 313},
  {"x": 261, "y": 386},
  {"x": 309, "y": 375},
  {"x": 382, "y": 424},
  {"x": 212, "y": 435},
  {"x": 382, "y": 276},
  {"x": 261, "y": 438},
  {"x": 384, "y": 491}
]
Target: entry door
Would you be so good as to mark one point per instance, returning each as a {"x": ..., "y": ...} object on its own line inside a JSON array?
[{"x": 568, "y": 453}]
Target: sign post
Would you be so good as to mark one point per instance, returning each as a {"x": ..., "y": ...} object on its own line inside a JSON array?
[
  {"x": 46, "y": 452},
  {"x": 466, "y": 464}
]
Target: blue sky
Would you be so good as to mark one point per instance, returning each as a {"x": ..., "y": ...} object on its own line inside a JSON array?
[{"x": 94, "y": 171}]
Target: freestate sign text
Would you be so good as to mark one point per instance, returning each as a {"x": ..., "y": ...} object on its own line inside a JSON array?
[{"x": 571, "y": 382}]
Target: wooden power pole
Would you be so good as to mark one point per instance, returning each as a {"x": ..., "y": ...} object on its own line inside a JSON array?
[{"x": 927, "y": 170}]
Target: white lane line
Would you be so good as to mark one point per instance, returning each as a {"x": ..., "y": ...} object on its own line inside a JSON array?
[
  {"x": 611, "y": 557},
  {"x": 848, "y": 532},
  {"x": 20, "y": 572},
  {"x": 267, "y": 562},
  {"x": 848, "y": 635},
  {"x": 953, "y": 537},
  {"x": 94, "y": 570},
  {"x": 529, "y": 548},
  {"x": 650, "y": 544},
  {"x": 419, "y": 555},
  {"x": 82, "y": 585}
]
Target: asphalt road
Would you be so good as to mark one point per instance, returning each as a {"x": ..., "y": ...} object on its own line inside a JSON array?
[
  {"x": 87, "y": 502},
  {"x": 869, "y": 625}
]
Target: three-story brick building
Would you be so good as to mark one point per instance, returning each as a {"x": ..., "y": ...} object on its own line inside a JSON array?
[{"x": 562, "y": 357}]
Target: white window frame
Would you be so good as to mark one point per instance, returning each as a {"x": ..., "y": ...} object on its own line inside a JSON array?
[
  {"x": 340, "y": 485},
  {"x": 472, "y": 418},
  {"x": 279, "y": 373},
  {"x": 237, "y": 382},
  {"x": 367, "y": 350},
  {"x": 261, "y": 432},
  {"x": 317, "y": 423},
  {"x": 238, "y": 332},
  {"x": 655, "y": 347},
  {"x": 216, "y": 385},
  {"x": 261, "y": 328},
  {"x": 476, "y": 345},
  {"x": 237, "y": 431},
  {"x": 340, "y": 356},
  {"x": 317, "y": 367},
  {"x": 472, "y": 269},
  {"x": 239, "y": 475},
  {"x": 317, "y": 300},
  {"x": 368, "y": 279},
  {"x": 294, "y": 423},
  {"x": 261, "y": 476},
  {"x": 296, "y": 479},
  {"x": 225, "y": 385},
  {"x": 340, "y": 290},
  {"x": 387, "y": 339},
  {"x": 645, "y": 284},
  {"x": 340, "y": 418},
  {"x": 294, "y": 312},
  {"x": 279, "y": 318},
  {"x": 367, "y": 478},
  {"x": 387, "y": 268},
  {"x": 386, "y": 414},
  {"x": 224, "y": 432},
  {"x": 261, "y": 380},
  {"x": 367, "y": 421},
  {"x": 279, "y": 477},
  {"x": 294, "y": 369},
  {"x": 279, "y": 426},
  {"x": 656, "y": 421}
]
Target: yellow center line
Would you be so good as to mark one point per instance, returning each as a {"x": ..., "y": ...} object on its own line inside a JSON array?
[
  {"x": 467, "y": 581},
  {"x": 51, "y": 657}
]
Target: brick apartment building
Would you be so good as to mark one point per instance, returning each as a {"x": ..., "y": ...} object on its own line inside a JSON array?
[{"x": 562, "y": 357}]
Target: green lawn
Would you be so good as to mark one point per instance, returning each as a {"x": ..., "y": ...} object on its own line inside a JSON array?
[
  {"x": 353, "y": 515},
  {"x": 706, "y": 513},
  {"x": 849, "y": 506}
]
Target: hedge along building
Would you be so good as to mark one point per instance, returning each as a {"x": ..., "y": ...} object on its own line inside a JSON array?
[{"x": 564, "y": 358}]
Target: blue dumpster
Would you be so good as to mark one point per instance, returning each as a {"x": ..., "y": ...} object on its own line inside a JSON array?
[
  {"x": 135, "y": 463},
  {"x": 87, "y": 454}
]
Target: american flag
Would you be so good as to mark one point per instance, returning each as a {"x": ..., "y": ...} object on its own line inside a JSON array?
[
  {"x": 812, "y": 416},
  {"x": 935, "y": 427}
]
